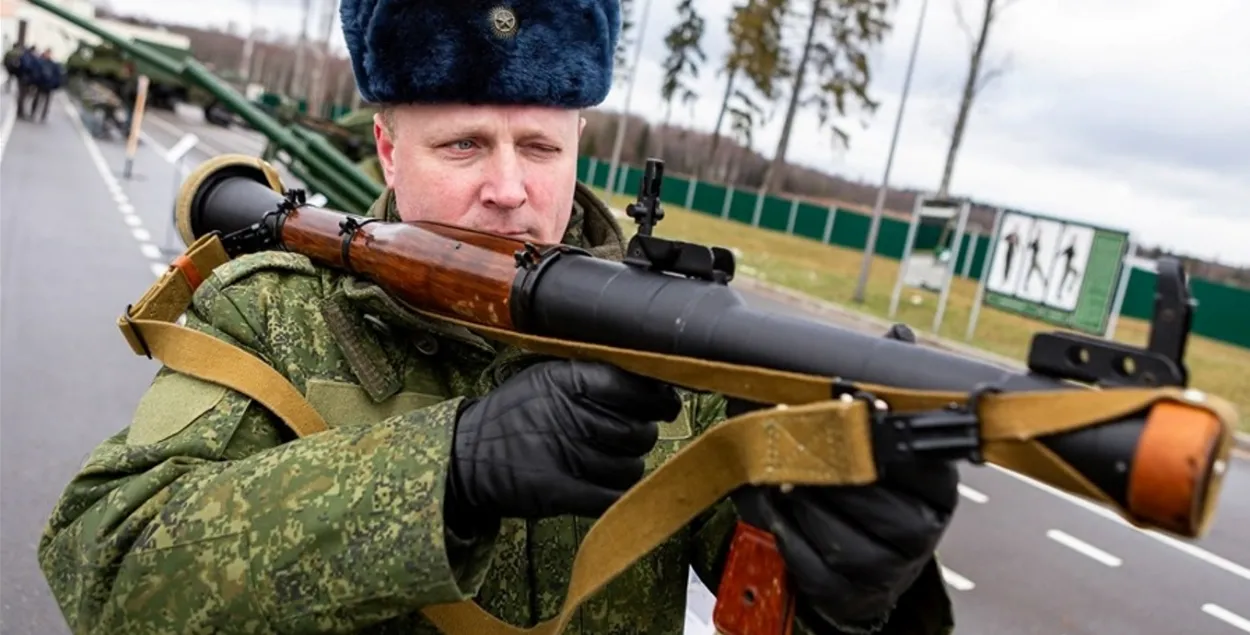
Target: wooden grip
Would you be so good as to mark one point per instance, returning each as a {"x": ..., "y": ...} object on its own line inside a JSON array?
[
  {"x": 440, "y": 268},
  {"x": 754, "y": 597},
  {"x": 1179, "y": 468}
]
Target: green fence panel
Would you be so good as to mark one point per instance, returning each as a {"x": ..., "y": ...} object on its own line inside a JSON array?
[
  {"x": 633, "y": 181},
  {"x": 891, "y": 237},
  {"x": 1139, "y": 297},
  {"x": 583, "y": 168},
  {"x": 965, "y": 245},
  {"x": 1223, "y": 312},
  {"x": 709, "y": 197},
  {"x": 850, "y": 229},
  {"x": 742, "y": 208},
  {"x": 775, "y": 214},
  {"x": 980, "y": 251},
  {"x": 673, "y": 190},
  {"x": 809, "y": 221},
  {"x": 600, "y": 178}
]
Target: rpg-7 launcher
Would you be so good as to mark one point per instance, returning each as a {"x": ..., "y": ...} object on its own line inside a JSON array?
[{"x": 841, "y": 407}]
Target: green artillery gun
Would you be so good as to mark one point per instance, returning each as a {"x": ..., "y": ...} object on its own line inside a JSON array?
[
  {"x": 111, "y": 66},
  {"x": 309, "y": 156},
  {"x": 350, "y": 133}
]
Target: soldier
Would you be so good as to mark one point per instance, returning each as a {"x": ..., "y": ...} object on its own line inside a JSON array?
[
  {"x": 27, "y": 74},
  {"x": 455, "y": 468},
  {"x": 107, "y": 112},
  {"x": 12, "y": 66},
  {"x": 48, "y": 77}
]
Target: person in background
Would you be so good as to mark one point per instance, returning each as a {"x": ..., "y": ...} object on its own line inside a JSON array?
[
  {"x": 47, "y": 77},
  {"x": 12, "y": 65}
]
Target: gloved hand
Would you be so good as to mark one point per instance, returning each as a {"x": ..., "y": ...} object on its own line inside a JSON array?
[
  {"x": 852, "y": 551},
  {"x": 560, "y": 437}
]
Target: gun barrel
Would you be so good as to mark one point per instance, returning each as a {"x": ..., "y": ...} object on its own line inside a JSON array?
[{"x": 603, "y": 302}]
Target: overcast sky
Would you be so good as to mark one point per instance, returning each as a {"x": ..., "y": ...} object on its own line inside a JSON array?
[{"x": 1130, "y": 115}]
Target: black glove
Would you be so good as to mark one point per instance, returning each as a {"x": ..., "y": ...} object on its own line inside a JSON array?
[
  {"x": 560, "y": 437},
  {"x": 852, "y": 551}
]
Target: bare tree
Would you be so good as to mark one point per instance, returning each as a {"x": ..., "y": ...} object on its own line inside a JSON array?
[
  {"x": 835, "y": 50},
  {"x": 977, "y": 78}
]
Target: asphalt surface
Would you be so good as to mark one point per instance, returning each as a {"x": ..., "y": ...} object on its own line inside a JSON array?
[{"x": 80, "y": 241}]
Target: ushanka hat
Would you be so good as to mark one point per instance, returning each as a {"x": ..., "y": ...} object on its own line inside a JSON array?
[{"x": 512, "y": 52}]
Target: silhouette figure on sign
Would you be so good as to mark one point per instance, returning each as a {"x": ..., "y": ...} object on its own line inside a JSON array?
[
  {"x": 1035, "y": 246},
  {"x": 1012, "y": 240},
  {"x": 1069, "y": 253}
]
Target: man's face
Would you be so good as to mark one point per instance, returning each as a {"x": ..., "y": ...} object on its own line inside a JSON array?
[{"x": 507, "y": 170}]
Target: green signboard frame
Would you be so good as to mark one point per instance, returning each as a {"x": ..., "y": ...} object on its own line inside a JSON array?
[{"x": 1073, "y": 273}]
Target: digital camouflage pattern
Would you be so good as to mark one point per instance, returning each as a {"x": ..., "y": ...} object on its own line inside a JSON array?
[{"x": 206, "y": 515}]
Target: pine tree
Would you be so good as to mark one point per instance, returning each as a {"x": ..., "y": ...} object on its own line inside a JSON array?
[
  {"x": 685, "y": 52},
  {"x": 757, "y": 54}
]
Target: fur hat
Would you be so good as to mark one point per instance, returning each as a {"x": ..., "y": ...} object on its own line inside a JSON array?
[{"x": 533, "y": 52}]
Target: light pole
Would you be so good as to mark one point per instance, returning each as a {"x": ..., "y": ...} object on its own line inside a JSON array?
[
  {"x": 629, "y": 95},
  {"x": 245, "y": 65},
  {"x": 877, "y": 209}
]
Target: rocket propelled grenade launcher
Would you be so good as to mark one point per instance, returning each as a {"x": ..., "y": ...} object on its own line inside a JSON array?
[{"x": 1139, "y": 442}]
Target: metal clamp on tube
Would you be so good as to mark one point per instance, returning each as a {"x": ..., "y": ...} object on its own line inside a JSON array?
[{"x": 949, "y": 434}]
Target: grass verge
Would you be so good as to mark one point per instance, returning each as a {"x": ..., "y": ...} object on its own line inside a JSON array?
[{"x": 830, "y": 273}]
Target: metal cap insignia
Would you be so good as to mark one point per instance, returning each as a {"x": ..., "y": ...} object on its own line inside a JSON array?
[{"x": 503, "y": 21}]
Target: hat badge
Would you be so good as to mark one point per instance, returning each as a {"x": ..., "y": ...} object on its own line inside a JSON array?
[{"x": 503, "y": 21}]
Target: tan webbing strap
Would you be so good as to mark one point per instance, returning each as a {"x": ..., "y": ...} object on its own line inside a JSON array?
[
  {"x": 150, "y": 328},
  {"x": 825, "y": 443},
  {"x": 814, "y": 440}
]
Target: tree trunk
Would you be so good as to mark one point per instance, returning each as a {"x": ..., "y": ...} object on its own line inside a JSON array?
[
  {"x": 965, "y": 102},
  {"x": 720, "y": 118},
  {"x": 779, "y": 157}
]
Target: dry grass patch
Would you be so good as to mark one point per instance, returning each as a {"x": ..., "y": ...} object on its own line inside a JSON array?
[{"x": 830, "y": 273}]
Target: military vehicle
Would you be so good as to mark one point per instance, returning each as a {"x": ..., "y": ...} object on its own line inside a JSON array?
[
  {"x": 111, "y": 66},
  {"x": 310, "y": 156}
]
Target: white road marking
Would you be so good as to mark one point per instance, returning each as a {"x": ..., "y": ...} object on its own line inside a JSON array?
[
  {"x": 119, "y": 195},
  {"x": 1083, "y": 547},
  {"x": 6, "y": 128},
  {"x": 1201, "y": 554},
  {"x": 1227, "y": 616},
  {"x": 972, "y": 495},
  {"x": 957, "y": 581}
]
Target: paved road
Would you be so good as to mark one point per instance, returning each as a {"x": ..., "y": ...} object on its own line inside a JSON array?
[{"x": 80, "y": 241}]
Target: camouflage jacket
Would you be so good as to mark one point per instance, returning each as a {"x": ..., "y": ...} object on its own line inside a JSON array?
[{"x": 204, "y": 515}]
